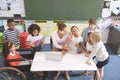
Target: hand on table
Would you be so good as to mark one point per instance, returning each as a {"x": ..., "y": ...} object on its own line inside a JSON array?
[
  {"x": 63, "y": 52},
  {"x": 87, "y": 62},
  {"x": 87, "y": 55}
]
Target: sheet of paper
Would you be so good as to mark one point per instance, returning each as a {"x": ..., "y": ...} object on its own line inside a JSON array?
[
  {"x": 104, "y": 23},
  {"x": 106, "y": 12},
  {"x": 116, "y": 7},
  {"x": 9, "y": 8}
]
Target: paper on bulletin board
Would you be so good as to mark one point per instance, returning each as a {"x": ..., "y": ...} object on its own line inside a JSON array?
[
  {"x": 106, "y": 8},
  {"x": 28, "y": 23},
  {"x": 2, "y": 25},
  {"x": 106, "y": 12},
  {"x": 47, "y": 29},
  {"x": 111, "y": 8},
  {"x": 10, "y": 8},
  {"x": 104, "y": 23},
  {"x": 115, "y": 8},
  {"x": 20, "y": 25}
]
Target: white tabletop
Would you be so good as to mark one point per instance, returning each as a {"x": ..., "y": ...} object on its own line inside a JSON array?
[{"x": 69, "y": 62}]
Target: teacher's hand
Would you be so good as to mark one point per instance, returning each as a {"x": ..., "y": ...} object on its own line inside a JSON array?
[
  {"x": 63, "y": 52},
  {"x": 87, "y": 62}
]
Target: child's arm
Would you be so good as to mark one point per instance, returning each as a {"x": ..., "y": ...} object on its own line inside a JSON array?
[
  {"x": 68, "y": 40},
  {"x": 93, "y": 53},
  {"x": 30, "y": 44},
  {"x": 66, "y": 48},
  {"x": 63, "y": 52},
  {"x": 83, "y": 48},
  {"x": 43, "y": 42}
]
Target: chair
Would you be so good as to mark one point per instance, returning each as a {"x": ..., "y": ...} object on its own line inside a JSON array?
[
  {"x": 27, "y": 53},
  {"x": 23, "y": 39},
  {"x": 51, "y": 43}
]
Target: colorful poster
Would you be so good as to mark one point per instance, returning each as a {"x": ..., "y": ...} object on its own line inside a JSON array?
[
  {"x": 47, "y": 27},
  {"x": 28, "y": 23},
  {"x": 20, "y": 25},
  {"x": 2, "y": 25},
  {"x": 111, "y": 8}
]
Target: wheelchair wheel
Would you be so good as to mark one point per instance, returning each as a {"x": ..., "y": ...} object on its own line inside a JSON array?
[{"x": 10, "y": 73}]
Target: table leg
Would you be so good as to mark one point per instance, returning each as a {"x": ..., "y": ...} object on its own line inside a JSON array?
[
  {"x": 45, "y": 75},
  {"x": 94, "y": 75}
]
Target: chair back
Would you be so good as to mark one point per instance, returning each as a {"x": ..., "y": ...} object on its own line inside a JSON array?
[
  {"x": 27, "y": 53},
  {"x": 23, "y": 39},
  {"x": 51, "y": 43},
  {"x": 1, "y": 60}
]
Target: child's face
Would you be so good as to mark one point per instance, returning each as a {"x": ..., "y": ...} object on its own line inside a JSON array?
[
  {"x": 87, "y": 38},
  {"x": 11, "y": 25},
  {"x": 91, "y": 26},
  {"x": 74, "y": 31},
  {"x": 35, "y": 32}
]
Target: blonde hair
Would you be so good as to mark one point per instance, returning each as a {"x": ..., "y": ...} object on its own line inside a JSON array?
[{"x": 95, "y": 37}]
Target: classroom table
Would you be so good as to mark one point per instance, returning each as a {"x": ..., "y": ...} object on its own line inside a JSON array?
[{"x": 69, "y": 62}]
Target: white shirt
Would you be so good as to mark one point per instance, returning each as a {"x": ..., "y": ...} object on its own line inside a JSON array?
[
  {"x": 89, "y": 47},
  {"x": 57, "y": 41},
  {"x": 99, "y": 51},
  {"x": 73, "y": 42},
  {"x": 32, "y": 39}
]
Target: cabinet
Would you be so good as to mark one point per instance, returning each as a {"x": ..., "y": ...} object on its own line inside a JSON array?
[{"x": 114, "y": 40}]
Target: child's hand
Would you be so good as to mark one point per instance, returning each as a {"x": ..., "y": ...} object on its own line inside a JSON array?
[
  {"x": 43, "y": 42},
  {"x": 32, "y": 45},
  {"x": 66, "y": 48},
  {"x": 17, "y": 52},
  {"x": 87, "y": 62},
  {"x": 80, "y": 52},
  {"x": 77, "y": 45},
  {"x": 68, "y": 41},
  {"x": 88, "y": 52},
  {"x": 87, "y": 55},
  {"x": 63, "y": 52}
]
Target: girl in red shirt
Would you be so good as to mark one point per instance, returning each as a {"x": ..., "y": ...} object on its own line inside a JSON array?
[{"x": 10, "y": 53}]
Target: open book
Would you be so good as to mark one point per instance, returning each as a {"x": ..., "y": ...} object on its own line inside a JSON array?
[{"x": 38, "y": 42}]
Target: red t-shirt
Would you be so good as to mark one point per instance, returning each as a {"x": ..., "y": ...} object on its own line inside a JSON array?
[{"x": 14, "y": 55}]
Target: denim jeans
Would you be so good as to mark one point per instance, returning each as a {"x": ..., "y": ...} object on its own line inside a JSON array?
[{"x": 37, "y": 48}]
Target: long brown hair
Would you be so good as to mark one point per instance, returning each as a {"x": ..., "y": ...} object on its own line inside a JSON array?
[
  {"x": 61, "y": 26},
  {"x": 6, "y": 46}
]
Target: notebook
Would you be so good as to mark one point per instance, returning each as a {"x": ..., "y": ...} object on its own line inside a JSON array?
[
  {"x": 55, "y": 56},
  {"x": 38, "y": 42}
]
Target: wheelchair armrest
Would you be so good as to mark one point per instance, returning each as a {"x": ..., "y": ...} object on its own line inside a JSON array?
[
  {"x": 25, "y": 51},
  {"x": 15, "y": 60}
]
